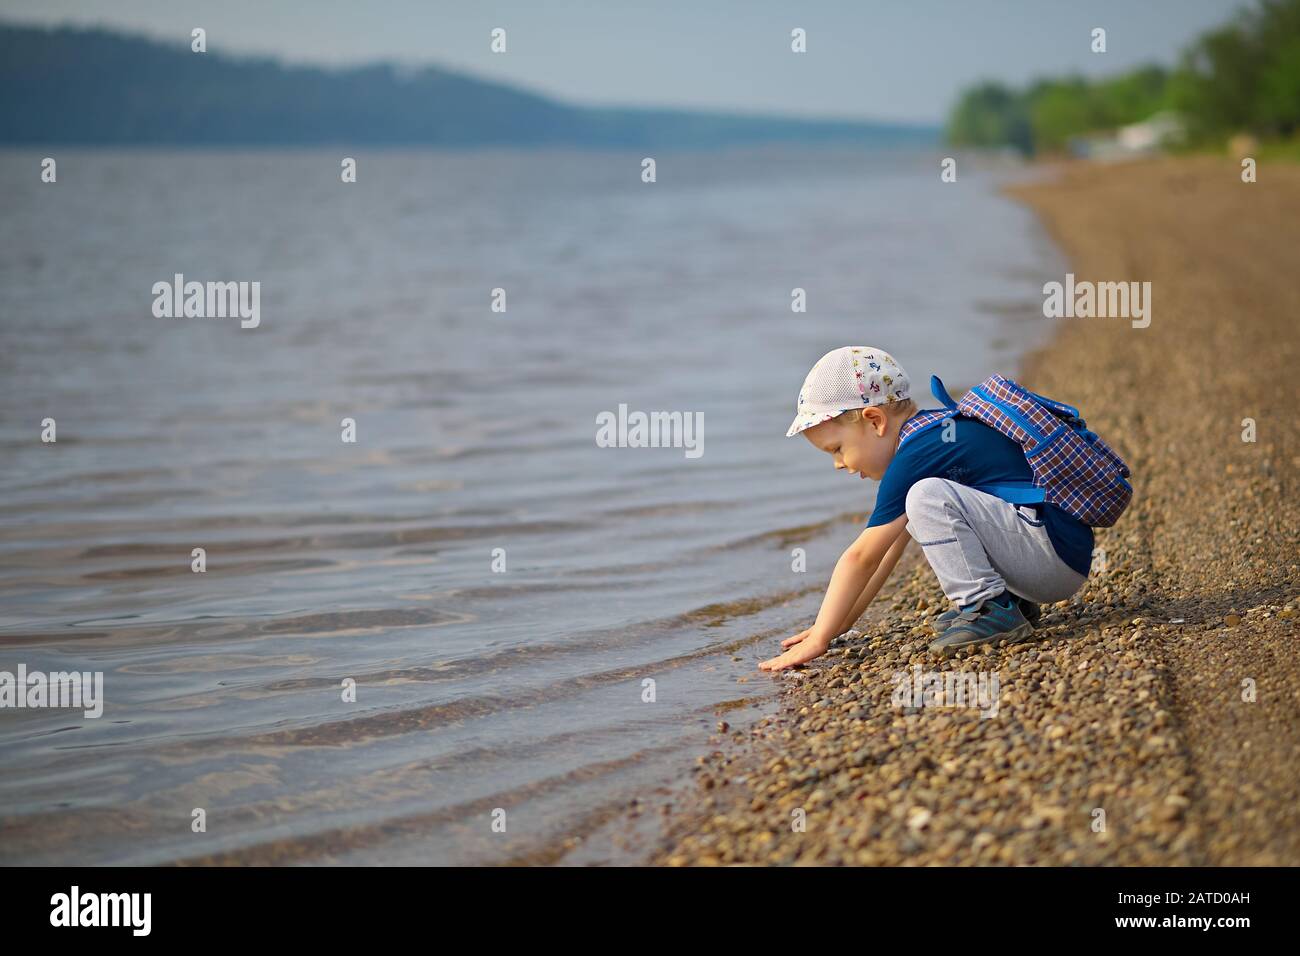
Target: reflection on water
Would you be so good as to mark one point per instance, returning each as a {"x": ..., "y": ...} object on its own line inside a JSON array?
[{"x": 373, "y": 561}]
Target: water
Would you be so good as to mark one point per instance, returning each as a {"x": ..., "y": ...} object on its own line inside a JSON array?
[{"x": 373, "y": 561}]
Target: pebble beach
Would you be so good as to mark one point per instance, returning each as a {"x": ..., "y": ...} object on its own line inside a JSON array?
[{"x": 1154, "y": 719}]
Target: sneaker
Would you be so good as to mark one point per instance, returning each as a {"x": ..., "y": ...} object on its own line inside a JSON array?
[
  {"x": 1028, "y": 608},
  {"x": 989, "y": 623}
]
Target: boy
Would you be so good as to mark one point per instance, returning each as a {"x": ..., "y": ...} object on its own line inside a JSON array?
[{"x": 994, "y": 559}]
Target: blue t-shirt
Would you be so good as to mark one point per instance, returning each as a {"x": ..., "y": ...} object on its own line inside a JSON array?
[{"x": 980, "y": 455}]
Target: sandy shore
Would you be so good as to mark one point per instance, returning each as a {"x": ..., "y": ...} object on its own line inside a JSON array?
[{"x": 1131, "y": 703}]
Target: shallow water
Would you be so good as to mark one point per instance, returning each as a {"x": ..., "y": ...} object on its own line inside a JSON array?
[{"x": 476, "y": 689}]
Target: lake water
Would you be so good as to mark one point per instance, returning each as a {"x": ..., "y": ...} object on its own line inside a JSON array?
[{"x": 476, "y": 688}]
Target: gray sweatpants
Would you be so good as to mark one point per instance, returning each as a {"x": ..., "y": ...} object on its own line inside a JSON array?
[{"x": 979, "y": 545}]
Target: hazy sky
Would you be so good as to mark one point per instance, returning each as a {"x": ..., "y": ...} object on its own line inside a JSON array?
[{"x": 867, "y": 59}]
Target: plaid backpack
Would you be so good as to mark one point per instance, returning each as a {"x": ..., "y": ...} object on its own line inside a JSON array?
[{"x": 1072, "y": 467}]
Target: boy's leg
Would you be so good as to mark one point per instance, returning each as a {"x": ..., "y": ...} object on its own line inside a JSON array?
[{"x": 979, "y": 545}]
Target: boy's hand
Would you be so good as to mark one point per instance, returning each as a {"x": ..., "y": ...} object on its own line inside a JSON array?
[
  {"x": 803, "y": 648},
  {"x": 791, "y": 641},
  {"x": 858, "y": 575}
]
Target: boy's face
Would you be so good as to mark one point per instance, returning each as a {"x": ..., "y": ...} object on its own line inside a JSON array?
[{"x": 864, "y": 448}]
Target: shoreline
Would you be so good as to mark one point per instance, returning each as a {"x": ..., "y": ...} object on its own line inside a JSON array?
[{"x": 1124, "y": 735}]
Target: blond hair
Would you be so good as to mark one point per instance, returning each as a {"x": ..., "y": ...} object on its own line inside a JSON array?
[{"x": 905, "y": 408}]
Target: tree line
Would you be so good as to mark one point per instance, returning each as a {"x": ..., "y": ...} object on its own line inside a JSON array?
[{"x": 1240, "y": 78}]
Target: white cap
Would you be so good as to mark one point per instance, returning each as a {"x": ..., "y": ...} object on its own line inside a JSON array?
[{"x": 850, "y": 377}]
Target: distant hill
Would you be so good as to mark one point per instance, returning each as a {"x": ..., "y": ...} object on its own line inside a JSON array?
[{"x": 96, "y": 87}]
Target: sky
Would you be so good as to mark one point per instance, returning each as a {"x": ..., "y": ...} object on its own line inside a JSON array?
[{"x": 893, "y": 60}]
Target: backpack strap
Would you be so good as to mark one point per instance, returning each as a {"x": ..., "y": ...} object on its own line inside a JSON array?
[
  {"x": 1016, "y": 494},
  {"x": 1024, "y": 493},
  {"x": 931, "y": 417},
  {"x": 941, "y": 393},
  {"x": 922, "y": 421},
  {"x": 1013, "y": 413},
  {"x": 1069, "y": 413}
]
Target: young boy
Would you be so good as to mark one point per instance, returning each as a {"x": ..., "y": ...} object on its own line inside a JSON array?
[{"x": 994, "y": 560}]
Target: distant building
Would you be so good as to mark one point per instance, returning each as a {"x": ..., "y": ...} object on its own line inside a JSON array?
[
  {"x": 1138, "y": 139},
  {"x": 1162, "y": 129}
]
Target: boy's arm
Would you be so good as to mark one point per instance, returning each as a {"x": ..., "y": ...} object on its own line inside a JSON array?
[
  {"x": 878, "y": 580},
  {"x": 854, "y": 572}
]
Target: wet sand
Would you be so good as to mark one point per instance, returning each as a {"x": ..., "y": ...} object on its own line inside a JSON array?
[{"x": 1127, "y": 733}]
